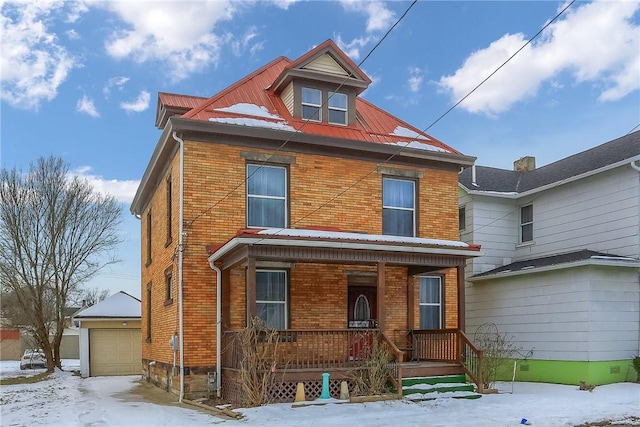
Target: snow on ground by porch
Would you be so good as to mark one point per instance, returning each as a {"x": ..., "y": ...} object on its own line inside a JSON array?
[{"x": 67, "y": 400}]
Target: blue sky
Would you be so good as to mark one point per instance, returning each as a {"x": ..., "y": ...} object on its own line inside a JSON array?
[{"x": 80, "y": 79}]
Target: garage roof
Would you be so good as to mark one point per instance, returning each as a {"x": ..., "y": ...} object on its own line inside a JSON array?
[{"x": 119, "y": 305}]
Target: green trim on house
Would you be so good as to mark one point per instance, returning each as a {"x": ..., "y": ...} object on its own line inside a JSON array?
[{"x": 569, "y": 372}]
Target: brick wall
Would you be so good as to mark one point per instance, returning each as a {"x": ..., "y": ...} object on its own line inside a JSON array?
[{"x": 212, "y": 215}]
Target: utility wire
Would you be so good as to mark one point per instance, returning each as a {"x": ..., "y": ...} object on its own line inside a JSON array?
[
  {"x": 388, "y": 159},
  {"x": 634, "y": 128},
  {"x": 274, "y": 152}
]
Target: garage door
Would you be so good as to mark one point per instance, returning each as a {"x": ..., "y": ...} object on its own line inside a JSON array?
[{"x": 114, "y": 352}]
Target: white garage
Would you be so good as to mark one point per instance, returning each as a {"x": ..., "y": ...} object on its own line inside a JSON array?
[{"x": 110, "y": 338}]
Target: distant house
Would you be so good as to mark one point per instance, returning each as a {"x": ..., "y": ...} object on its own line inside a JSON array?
[
  {"x": 110, "y": 337},
  {"x": 559, "y": 271},
  {"x": 289, "y": 198}
]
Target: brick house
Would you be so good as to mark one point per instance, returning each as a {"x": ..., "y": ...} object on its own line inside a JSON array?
[{"x": 289, "y": 198}]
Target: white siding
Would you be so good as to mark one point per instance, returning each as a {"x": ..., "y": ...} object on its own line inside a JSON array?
[
  {"x": 599, "y": 213},
  {"x": 493, "y": 223},
  {"x": 582, "y": 313}
]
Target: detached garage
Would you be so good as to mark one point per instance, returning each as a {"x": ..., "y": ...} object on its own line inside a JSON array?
[{"x": 110, "y": 337}]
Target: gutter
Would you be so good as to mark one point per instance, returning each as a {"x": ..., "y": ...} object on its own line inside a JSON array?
[{"x": 180, "y": 262}]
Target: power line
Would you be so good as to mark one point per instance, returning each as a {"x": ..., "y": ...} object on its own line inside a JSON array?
[
  {"x": 277, "y": 150},
  {"x": 634, "y": 128}
]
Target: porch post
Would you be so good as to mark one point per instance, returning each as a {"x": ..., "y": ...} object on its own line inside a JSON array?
[
  {"x": 461, "y": 300},
  {"x": 410, "y": 301},
  {"x": 251, "y": 289},
  {"x": 381, "y": 291}
]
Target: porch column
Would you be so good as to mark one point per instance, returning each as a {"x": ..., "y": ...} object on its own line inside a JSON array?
[
  {"x": 381, "y": 292},
  {"x": 410, "y": 301},
  {"x": 251, "y": 289},
  {"x": 461, "y": 300}
]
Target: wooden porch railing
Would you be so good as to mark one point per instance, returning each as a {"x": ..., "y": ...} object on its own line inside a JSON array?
[
  {"x": 449, "y": 345},
  {"x": 312, "y": 349}
]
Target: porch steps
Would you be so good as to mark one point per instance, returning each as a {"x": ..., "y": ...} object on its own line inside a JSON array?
[{"x": 437, "y": 387}]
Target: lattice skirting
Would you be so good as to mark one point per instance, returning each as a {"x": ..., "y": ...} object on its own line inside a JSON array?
[{"x": 284, "y": 391}]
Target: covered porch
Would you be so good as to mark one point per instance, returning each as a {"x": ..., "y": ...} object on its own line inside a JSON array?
[{"x": 343, "y": 292}]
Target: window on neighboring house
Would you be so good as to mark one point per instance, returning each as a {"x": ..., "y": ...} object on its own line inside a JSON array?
[
  {"x": 337, "y": 104},
  {"x": 311, "y": 104},
  {"x": 272, "y": 298},
  {"x": 148, "y": 312},
  {"x": 266, "y": 196},
  {"x": 149, "y": 237},
  {"x": 398, "y": 207},
  {"x": 168, "y": 280},
  {"x": 169, "y": 203},
  {"x": 430, "y": 302},
  {"x": 462, "y": 218},
  {"x": 526, "y": 223}
]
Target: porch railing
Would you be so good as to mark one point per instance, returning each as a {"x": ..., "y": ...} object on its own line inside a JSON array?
[{"x": 448, "y": 345}]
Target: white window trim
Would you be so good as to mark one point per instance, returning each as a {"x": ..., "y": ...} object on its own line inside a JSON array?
[
  {"x": 432, "y": 304},
  {"x": 258, "y": 196},
  {"x": 523, "y": 224},
  {"x": 318, "y": 106},
  {"x": 345, "y": 110},
  {"x": 286, "y": 293},
  {"x": 401, "y": 208}
]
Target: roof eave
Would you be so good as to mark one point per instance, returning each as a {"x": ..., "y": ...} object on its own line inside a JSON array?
[{"x": 582, "y": 263}]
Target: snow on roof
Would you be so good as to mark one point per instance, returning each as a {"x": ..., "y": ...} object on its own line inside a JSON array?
[
  {"x": 403, "y": 131},
  {"x": 253, "y": 123},
  {"x": 120, "y": 304},
  {"x": 250, "y": 110},
  {"x": 419, "y": 146},
  {"x": 341, "y": 235}
]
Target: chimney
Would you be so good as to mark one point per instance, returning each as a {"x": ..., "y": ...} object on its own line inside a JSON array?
[{"x": 524, "y": 164}]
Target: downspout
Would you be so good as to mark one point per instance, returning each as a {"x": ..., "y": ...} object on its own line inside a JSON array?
[
  {"x": 636, "y": 167},
  {"x": 180, "y": 261},
  {"x": 218, "y": 329}
]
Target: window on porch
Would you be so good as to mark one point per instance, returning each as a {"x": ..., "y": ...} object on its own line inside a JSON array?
[
  {"x": 271, "y": 298},
  {"x": 266, "y": 196},
  {"x": 398, "y": 207},
  {"x": 430, "y": 302}
]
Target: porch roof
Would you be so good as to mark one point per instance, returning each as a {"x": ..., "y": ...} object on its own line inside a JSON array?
[{"x": 333, "y": 246}]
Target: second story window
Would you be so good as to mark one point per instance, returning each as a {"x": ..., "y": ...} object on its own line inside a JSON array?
[
  {"x": 337, "y": 104},
  {"x": 311, "y": 104},
  {"x": 462, "y": 218},
  {"x": 266, "y": 196},
  {"x": 398, "y": 207},
  {"x": 168, "y": 281},
  {"x": 526, "y": 224}
]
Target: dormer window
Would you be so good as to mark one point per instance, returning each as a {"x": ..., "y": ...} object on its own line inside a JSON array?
[
  {"x": 337, "y": 104},
  {"x": 311, "y": 104}
]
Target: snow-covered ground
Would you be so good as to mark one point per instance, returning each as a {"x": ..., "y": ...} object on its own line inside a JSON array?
[{"x": 67, "y": 400}]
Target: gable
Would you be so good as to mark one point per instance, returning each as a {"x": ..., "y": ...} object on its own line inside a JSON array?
[{"x": 326, "y": 64}]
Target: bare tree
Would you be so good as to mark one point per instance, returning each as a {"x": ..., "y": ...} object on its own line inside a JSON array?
[
  {"x": 56, "y": 233},
  {"x": 87, "y": 297}
]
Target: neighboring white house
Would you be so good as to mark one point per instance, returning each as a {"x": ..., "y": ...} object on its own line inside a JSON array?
[
  {"x": 560, "y": 271},
  {"x": 110, "y": 338}
]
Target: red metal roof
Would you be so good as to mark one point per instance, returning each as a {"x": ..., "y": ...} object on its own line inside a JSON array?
[{"x": 373, "y": 125}]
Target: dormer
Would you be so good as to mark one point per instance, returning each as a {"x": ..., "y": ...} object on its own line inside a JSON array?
[{"x": 322, "y": 85}]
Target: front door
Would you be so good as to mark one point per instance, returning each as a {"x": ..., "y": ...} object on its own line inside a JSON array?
[{"x": 362, "y": 311}]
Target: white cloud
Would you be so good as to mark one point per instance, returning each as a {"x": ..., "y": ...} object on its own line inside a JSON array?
[
  {"x": 415, "y": 79},
  {"x": 33, "y": 64},
  {"x": 283, "y": 4},
  {"x": 352, "y": 49},
  {"x": 117, "y": 82},
  {"x": 595, "y": 42},
  {"x": 123, "y": 191},
  {"x": 176, "y": 33},
  {"x": 86, "y": 105},
  {"x": 140, "y": 104},
  {"x": 379, "y": 18},
  {"x": 241, "y": 44}
]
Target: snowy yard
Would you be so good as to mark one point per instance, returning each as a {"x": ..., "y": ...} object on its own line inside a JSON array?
[{"x": 67, "y": 400}]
